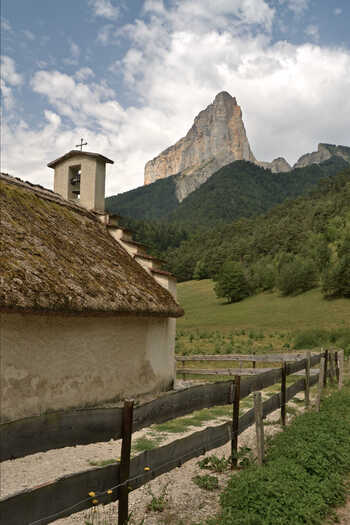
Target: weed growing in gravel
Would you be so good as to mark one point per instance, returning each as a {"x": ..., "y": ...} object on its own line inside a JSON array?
[
  {"x": 245, "y": 457},
  {"x": 146, "y": 443},
  {"x": 182, "y": 424},
  {"x": 214, "y": 463},
  {"x": 158, "y": 503},
  {"x": 206, "y": 482}
]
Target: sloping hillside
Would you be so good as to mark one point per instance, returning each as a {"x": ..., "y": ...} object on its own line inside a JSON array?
[{"x": 240, "y": 189}]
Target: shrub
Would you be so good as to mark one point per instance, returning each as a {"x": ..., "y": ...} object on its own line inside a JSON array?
[
  {"x": 297, "y": 276},
  {"x": 336, "y": 281},
  {"x": 231, "y": 282},
  {"x": 303, "y": 476},
  {"x": 311, "y": 338},
  {"x": 262, "y": 276},
  {"x": 206, "y": 482},
  {"x": 200, "y": 271},
  {"x": 214, "y": 463}
]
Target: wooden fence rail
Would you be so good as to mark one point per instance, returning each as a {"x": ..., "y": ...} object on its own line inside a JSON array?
[
  {"x": 266, "y": 358},
  {"x": 68, "y": 494},
  {"x": 82, "y": 427}
]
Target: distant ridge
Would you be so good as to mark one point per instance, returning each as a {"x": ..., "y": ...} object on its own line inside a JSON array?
[
  {"x": 239, "y": 189},
  {"x": 217, "y": 138}
]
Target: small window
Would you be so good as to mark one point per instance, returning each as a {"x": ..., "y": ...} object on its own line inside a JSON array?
[{"x": 74, "y": 181}]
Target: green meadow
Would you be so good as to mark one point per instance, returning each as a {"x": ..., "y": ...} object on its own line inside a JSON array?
[{"x": 262, "y": 323}]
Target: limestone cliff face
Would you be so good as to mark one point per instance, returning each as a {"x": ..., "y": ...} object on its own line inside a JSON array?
[
  {"x": 324, "y": 152},
  {"x": 217, "y": 133},
  {"x": 277, "y": 165},
  {"x": 216, "y": 138}
]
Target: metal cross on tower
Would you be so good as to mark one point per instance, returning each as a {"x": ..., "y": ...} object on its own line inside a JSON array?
[{"x": 82, "y": 143}]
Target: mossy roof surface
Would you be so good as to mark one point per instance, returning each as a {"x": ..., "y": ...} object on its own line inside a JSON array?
[{"x": 58, "y": 257}]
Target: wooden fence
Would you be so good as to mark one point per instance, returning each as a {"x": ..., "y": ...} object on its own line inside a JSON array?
[
  {"x": 69, "y": 494},
  {"x": 240, "y": 358}
]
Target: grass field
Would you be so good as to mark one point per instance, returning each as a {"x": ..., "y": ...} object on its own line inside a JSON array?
[{"x": 263, "y": 323}]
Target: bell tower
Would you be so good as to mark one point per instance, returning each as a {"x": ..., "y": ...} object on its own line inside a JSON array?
[{"x": 80, "y": 175}]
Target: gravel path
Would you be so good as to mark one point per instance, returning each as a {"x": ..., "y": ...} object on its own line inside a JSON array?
[{"x": 184, "y": 502}]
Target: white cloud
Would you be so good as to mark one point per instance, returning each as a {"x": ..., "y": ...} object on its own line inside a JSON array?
[
  {"x": 5, "y": 25},
  {"x": 74, "y": 54},
  {"x": 104, "y": 8},
  {"x": 296, "y": 6},
  {"x": 9, "y": 73},
  {"x": 9, "y": 79},
  {"x": 28, "y": 34},
  {"x": 313, "y": 32},
  {"x": 84, "y": 73},
  {"x": 74, "y": 49},
  {"x": 83, "y": 104},
  {"x": 105, "y": 33},
  {"x": 292, "y": 96},
  {"x": 337, "y": 11}
]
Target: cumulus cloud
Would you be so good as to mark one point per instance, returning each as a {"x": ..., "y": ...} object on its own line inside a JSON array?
[
  {"x": 313, "y": 32},
  {"x": 337, "y": 11},
  {"x": 28, "y": 34},
  {"x": 5, "y": 24},
  {"x": 296, "y": 6},
  {"x": 292, "y": 96},
  {"x": 9, "y": 80},
  {"x": 74, "y": 54},
  {"x": 81, "y": 103},
  {"x": 104, "y": 8},
  {"x": 104, "y": 34},
  {"x": 84, "y": 73}
]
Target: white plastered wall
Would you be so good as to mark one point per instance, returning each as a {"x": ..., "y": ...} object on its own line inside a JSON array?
[
  {"x": 57, "y": 362},
  {"x": 92, "y": 183}
]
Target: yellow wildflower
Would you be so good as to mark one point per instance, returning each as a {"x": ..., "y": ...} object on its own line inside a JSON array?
[
  {"x": 95, "y": 501},
  {"x": 147, "y": 468},
  {"x": 109, "y": 491},
  {"x": 92, "y": 494}
]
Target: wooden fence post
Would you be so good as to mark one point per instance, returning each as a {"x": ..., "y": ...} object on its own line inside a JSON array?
[
  {"x": 283, "y": 393},
  {"x": 341, "y": 369},
  {"x": 307, "y": 379},
  {"x": 336, "y": 363},
  {"x": 259, "y": 426},
  {"x": 331, "y": 368},
  {"x": 320, "y": 383},
  {"x": 123, "y": 508},
  {"x": 235, "y": 422},
  {"x": 325, "y": 368},
  {"x": 254, "y": 362}
]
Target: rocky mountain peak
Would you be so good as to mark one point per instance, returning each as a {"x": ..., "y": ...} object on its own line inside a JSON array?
[
  {"x": 324, "y": 152},
  {"x": 217, "y": 132},
  {"x": 225, "y": 96}
]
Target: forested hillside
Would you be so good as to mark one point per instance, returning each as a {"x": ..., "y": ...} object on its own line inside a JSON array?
[
  {"x": 240, "y": 189},
  {"x": 146, "y": 202},
  {"x": 311, "y": 232}
]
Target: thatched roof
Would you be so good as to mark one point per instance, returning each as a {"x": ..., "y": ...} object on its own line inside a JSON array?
[{"x": 58, "y": 257}]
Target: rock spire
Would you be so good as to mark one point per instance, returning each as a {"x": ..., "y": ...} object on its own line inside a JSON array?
[{"x": 217, "y": 133}]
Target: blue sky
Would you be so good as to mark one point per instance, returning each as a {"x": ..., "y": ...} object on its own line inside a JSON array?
[{"x": 130, "y": 76}]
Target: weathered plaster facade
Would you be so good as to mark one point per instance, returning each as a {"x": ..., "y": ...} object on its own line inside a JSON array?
[
  {"x": 94, "y": 360},
  {"x": 92, "y": 185}
]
